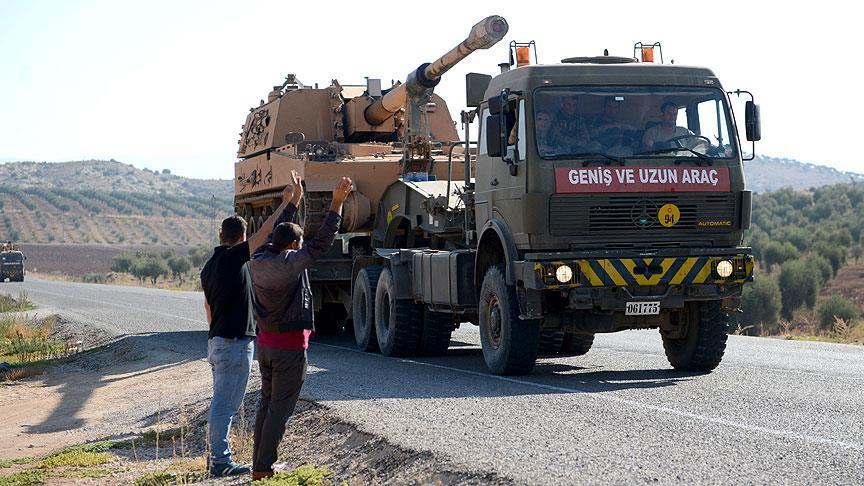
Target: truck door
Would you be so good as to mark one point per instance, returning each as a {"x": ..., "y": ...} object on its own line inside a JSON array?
[{"x": 500, "y": 181}]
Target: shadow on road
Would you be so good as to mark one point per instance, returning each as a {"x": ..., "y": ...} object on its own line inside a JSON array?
[
  {"x": 461, "y": 373},
  {"x": 130, "y": 357}
]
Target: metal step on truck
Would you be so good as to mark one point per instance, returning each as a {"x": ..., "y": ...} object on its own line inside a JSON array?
[{"x": 601, "y": 194}]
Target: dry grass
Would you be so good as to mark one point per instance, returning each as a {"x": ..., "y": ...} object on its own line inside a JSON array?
[
  {"x": 25, "y": 342},
  {"x": 10, "y": 304},
  {"x": 240, "y": 438}
]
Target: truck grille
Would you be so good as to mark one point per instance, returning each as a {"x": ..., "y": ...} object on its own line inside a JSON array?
[{"x": 594, "y": 214}]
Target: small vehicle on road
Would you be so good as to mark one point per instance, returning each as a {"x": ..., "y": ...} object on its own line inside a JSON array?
[{"x": 12, "y": 266}]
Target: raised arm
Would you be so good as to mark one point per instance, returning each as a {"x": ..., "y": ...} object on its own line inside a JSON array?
[
  {"x": 285, "y": 212},
  {"x": 311, "y": 251}
]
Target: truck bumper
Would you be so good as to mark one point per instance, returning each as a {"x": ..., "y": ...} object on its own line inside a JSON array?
[
  {"x": 620, "y": 269},
  {"x": 608, "y": 280}
]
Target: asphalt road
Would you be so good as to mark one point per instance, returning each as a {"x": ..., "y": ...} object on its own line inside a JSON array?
[{"x": 773, "y": 412}]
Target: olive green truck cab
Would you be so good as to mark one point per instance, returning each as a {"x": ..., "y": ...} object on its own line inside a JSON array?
[{"x": 606, "y": 195}]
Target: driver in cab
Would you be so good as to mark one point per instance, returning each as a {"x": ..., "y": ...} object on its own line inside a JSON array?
[{"x": 665, "y": 131}]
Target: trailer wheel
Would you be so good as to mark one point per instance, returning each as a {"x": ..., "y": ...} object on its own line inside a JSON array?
[
  {"x": 576, "y": 344},
  {"x": 363, "y": 308},
  {"x": 398, "y": 322},
  {"x": 704, "y": 341},
  {"x": 509, "y": 343},
  {"x": 437, "y": 329}
]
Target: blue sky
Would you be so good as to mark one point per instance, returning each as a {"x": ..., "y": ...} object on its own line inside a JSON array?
[{"x": 167, "y": 84}]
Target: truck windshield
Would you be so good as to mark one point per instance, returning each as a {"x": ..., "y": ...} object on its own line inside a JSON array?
[
  {"x": 645, "y": 121},
  {"x": 11, "y": 258}
]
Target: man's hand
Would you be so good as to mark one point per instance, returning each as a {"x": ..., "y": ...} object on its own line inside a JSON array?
[
  {"x": 293, "y": 192},
  {"x": 340, "y": 193}
]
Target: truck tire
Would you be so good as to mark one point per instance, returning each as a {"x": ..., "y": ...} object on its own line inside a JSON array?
[
  {"x": 398, "y": 322},
  {"x": 363, "y": 308},
  {"x": 704, "y": 342},
  {"x": 550, "y": 343},
  {"x": 576, "y": 344},
  {"x": 509, "y": 343},
  {"x": 437, "y": 329}
]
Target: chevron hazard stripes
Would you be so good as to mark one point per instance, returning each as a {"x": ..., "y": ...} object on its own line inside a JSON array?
[{"x": 633, "y": 272}]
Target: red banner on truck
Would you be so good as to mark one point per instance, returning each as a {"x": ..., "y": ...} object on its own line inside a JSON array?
[{"x": 642, "y": 179}]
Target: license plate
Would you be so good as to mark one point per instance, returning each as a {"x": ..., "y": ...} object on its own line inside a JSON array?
[{"x": 642, "y": 308}]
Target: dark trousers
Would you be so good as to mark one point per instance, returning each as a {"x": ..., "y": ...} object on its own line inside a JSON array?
[{"x": 282, "y": 376}]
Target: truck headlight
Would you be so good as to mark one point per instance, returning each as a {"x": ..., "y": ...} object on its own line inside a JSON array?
[
  {"x": 724, "y": 268},
  {"x": 564, "y": 273}
]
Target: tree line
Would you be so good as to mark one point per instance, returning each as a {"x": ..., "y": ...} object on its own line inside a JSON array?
[
  {"x": 151, "y": 265},
  {"x": 801, "y": 239}
]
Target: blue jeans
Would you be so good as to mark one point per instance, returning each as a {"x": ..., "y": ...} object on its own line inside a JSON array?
[{"x": 230, "y": 360}]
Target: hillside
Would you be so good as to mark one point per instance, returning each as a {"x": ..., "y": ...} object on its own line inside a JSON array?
[
  {"x": 765, "y": 174},
  {"x": 108, "y": 202}
]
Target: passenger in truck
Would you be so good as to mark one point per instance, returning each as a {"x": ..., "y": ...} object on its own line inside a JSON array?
[
  {"x": 569, "y": 128},
  {"x": 543, "y": 125},
  {"x": 608, "y": 133},
  {"x": 658, "y": 135}
]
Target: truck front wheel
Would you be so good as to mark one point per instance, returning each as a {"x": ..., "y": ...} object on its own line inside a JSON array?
[
  {"x": 509, "y": 343},
  {"x": 704, "y": 338}
]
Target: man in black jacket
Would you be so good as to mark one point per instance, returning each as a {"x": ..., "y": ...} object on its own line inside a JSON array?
[
  {"x": 228, "y": 302},
  {"x": 284, "y": 309}
]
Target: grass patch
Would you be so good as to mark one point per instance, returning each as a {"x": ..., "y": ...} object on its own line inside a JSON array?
[
  {"x": 163, "y": 436},
  {"x": 26, "y": 345},
  {"x": 306, "y": 475},
  {"x": 10, "y": 304},
  {"x": 87, "y": 473},
  {"x": 24, "y": 478},
  {"x": 6, "y": 463},
  {"x": 76, "y": 458},
  {"x": 165, "y": 478}
]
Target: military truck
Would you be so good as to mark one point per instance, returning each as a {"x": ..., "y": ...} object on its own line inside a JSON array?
[
  {"x": 11, "y": 265},
  {"x": 605, "y": 194}
]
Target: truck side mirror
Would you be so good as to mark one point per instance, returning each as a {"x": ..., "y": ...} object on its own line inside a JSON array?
[
  {"x": 493, "y": 135},
  {"x": 475, "y": 88},
  {"x": 752, "y": 125},
  {"x": 495, "y": 105},
  {"x": 500, "y": 104}
]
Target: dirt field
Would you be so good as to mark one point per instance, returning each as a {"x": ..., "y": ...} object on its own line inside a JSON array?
[{"x": 849, "y": 283}]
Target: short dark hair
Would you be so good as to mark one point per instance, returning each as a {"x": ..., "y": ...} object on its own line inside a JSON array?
[
  {"x": 233, "y": 228},
  {"x": 667, "y": 104},
  {"x": 285, "y": 234}
]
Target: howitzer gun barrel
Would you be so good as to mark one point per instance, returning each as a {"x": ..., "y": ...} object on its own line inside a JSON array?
[{"x": 484, "y": 35}]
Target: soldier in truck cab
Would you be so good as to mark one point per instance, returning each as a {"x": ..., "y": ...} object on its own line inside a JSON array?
[
  {"x": 569, "y": 128},
  {"x": 543, "y": 125},
  {"x": 656, "y": 136},
  {"x": 608, "y": 133}
]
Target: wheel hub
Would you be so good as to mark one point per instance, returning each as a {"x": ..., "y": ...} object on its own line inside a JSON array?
[{"x": 494, "y": 322}]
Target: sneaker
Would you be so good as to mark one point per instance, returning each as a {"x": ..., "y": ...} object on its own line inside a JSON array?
[{"x": 228, "y": 469}]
